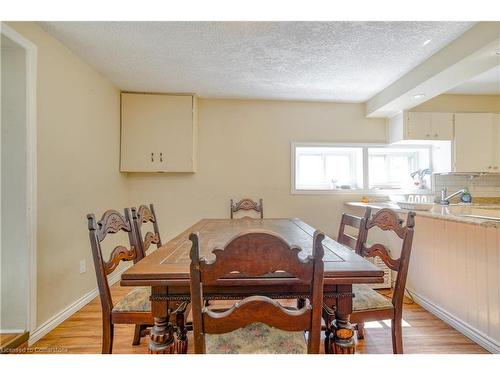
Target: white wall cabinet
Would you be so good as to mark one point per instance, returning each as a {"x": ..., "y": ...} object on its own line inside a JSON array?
[
  {"x": 477, "y": 140},
  {"x": 158, "y": 133},
  {"x": 421, "y": 126}
]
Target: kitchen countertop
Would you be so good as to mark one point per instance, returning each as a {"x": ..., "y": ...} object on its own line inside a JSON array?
[{"x": 452, "y": 212}]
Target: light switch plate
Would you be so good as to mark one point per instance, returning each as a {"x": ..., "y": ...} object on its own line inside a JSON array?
[{"x": 83, "y": 266}]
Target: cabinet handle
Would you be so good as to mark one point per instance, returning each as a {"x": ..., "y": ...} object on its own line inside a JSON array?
[
  {"x": 495, "y": 167},
  {"x": 152, "y": 157},
  {"x": 427, "y": 135},
  {"x": 435, "y": 135},
  {"x": 489, "y": 167},
  {"x": 161, "y": 157}
]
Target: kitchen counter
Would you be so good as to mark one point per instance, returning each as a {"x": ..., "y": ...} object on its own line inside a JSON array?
[
  {"x": 453, "y": 212},
  {"x": 454, "y": 266}
]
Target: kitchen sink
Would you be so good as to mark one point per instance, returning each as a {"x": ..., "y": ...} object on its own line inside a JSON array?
[
  {"x": 485, "y": 212},
  {"x": 482, "y": 217}
]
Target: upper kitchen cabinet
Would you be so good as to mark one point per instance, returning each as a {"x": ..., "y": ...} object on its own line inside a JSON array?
[
  {"x": 477, "y": 139},
  {"x": 158, "y": 133},
  {"x": 421, "y": 126}
]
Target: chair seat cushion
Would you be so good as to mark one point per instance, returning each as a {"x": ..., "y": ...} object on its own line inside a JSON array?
[
  {"x": 136, "y": 300},
  {"x": 256, "y": 338},
  {"x": 365, "y": 298}
]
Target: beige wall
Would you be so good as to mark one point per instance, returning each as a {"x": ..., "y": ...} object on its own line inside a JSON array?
[
  {"x": 461, "y": 103},
  {"x": 244, "y": 151},
  {"x": 78, "y": 161}
]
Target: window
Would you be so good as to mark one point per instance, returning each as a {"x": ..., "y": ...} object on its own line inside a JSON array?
[
  {"x": 361, "y": 167},
  {"x": 392, "y": 168},
  {"x": 326, "y": 168}
]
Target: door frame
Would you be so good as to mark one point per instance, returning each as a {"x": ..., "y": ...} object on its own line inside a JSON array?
[{"x": 31, "y": 167}]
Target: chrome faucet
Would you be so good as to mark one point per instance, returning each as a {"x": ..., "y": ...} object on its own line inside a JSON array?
[{"x": 445, "y": 200}]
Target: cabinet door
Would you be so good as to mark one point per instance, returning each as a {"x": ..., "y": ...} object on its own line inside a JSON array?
[
  {"x": 442, "y": 126},
  {"x": 475, "y": 142},
  {"x": 156, "y": 133},
  {"x": 418, "y": 125},
  {"x": 140, "y": 122},
  {"x": 176, "y": 136}
]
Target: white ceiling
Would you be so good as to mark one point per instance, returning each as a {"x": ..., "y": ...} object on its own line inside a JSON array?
[
  {"x": 487, "y": 83},
  {"x": 331, "y": 61}
]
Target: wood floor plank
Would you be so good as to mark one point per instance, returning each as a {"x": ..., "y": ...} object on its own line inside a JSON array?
[{"x": 425, "y": 333}]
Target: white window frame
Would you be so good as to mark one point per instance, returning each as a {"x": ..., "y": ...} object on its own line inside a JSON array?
[{"x": 365, "y": 190}]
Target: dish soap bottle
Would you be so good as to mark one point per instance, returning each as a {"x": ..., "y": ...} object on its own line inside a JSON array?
[{"x": 466, "y": 197}]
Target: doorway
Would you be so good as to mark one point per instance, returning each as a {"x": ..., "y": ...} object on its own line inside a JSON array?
[{"x": 18, "y": 187}]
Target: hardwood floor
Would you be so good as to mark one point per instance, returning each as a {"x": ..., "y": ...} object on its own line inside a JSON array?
[
  {"x": 422, "y": 333},
  {"x": 13, "y": 341},
  {"x": 7, "y": 337}
]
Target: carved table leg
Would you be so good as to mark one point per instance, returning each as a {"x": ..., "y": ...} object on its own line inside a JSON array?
[
  {"x": 162, "y": 333},
  {"x": 342, "y": 327},
  {"x": 181, "y": 345}
]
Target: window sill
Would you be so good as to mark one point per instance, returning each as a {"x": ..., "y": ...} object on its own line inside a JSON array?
[{"x": 362, "y": 192}]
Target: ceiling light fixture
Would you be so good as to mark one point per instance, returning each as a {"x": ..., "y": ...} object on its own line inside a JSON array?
[
  {"x": 419, "y": 96},
  {"x": 426, "y": 42}
]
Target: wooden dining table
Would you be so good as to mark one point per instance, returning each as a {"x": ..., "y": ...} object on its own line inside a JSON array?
[{"x": 166, "y": 271}]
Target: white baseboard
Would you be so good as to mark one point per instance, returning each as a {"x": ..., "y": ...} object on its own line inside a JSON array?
[
  {"x": 11, "y": 331},
  {"x": 466, "y": 329},
  {"x": 61, "y": 316}
]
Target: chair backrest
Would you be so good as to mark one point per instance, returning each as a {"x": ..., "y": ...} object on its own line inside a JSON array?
[
  {"x": 387, "y": 219},
  {"x": 246, "y": 205},
  {"x": 111, "y": 222},
  {"x": 140, "y": 216},
  {"x": 254, "y": 254},
  {"x": 356, "y": 222}
]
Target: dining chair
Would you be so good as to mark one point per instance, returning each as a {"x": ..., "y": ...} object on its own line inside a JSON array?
[
  {"x": 141, "y": 216},
  {"x": 368, "y": 305},
  {"x": 135, "y": 307},
  {"x": 355, "y": 242},
  {"x": 257, "y": 324},
  {"x": 246, "y": 205}
]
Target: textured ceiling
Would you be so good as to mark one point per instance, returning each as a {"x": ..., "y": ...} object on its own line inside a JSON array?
[
  {"x": 487, "y": 83},
  {"x": 331, "y": 61}
]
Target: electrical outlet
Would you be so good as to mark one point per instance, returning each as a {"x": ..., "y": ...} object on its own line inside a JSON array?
[{"x": 83, "y": 266}]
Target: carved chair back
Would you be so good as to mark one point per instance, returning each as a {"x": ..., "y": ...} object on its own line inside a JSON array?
[
  {"x": 256, "y": 254},
  {"x": 387, "y": 219},
  {"x": 356, "y": 222},
  {"x": 111, "y": 222},
  {"x": 141, "y": 216},
  {"x": 246, "y": 205}
]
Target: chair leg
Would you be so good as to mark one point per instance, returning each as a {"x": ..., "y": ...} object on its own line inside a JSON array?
[
  {"x": 328, "y": 317},
  {"x": 397, "y": 336},
  {"x": 107, "y": 336},
  {"x": 361, "y": 330},
  {"x": 182, "y": 339},
  {"x": 301, "y": 302},
  {"x": 328, "y": 342},
  {"x": 137, "y": 334}
]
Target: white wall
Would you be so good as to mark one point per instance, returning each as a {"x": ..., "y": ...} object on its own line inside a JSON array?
[{"x": 14, "y": 251}]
